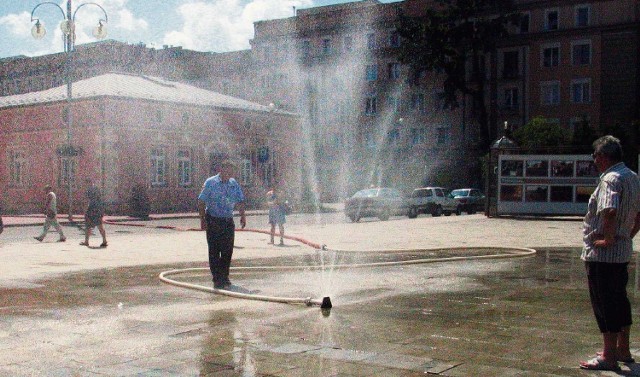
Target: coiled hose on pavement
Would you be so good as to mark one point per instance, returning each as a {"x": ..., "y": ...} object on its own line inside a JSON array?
[{"x": 325, "y": 302}]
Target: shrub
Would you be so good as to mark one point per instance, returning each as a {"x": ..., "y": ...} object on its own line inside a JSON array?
[
  {"x": 539, "y": 132},
  {"x": 139, "y": 204}
]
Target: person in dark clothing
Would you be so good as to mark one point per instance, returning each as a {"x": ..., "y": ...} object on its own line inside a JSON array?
[{"x": 93, "y": 214}]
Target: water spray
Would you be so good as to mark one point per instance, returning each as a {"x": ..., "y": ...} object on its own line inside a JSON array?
[{"x": 325, "y": 303}]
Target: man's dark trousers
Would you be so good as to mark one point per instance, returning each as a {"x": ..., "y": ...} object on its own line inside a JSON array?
[{"x": 220, "y": 238}]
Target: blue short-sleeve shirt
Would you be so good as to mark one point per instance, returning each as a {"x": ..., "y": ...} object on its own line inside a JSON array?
[{"x": 221, "y": 197}]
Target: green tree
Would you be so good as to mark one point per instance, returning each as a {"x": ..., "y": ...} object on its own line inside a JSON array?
[
  {"x": 539, "y": 132},
  {"x": 451, "y": 36}
]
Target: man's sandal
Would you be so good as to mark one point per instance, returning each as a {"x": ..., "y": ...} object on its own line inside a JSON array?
[
  {"x": 629, "y": 360},
  {"x": 597, "y": 363}
]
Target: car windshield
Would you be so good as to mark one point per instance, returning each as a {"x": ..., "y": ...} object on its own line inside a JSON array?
[
  {"x": 460, "y": 193},
  {"x": 370, "y": 193}
]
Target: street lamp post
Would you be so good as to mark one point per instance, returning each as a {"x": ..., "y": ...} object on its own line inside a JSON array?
[{"x": 68, "y": 28}]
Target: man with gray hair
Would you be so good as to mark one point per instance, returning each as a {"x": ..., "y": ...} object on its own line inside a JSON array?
[{"x": 611, "y": 223}]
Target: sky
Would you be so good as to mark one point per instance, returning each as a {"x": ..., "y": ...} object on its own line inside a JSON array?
[{"x": 201, "y": 25}]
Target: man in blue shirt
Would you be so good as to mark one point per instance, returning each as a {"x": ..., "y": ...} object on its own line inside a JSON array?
[{"x": 220, "y": 195}]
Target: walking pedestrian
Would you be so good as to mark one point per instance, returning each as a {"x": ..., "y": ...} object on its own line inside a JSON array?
[
  {"x": 93, "y": 215},
  {"x": 611, "y": 223},
  {"x": 50, "y": 213},
  {"x": 220, "y": 195},
  {"x": 276, "y": 214}
]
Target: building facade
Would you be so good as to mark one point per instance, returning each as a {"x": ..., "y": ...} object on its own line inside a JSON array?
[
  {"x": 572, "y": 62},
  {"x": 133, "y": 130},
  {"x": 369, "y": 121},
  {"x": 365, "y": 118}
]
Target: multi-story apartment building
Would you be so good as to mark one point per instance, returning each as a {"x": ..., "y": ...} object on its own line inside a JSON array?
[
  {"x": 23, "y": 74},
  {"x": 368, "y": 120},
  {"x": 570, "y": 62}
]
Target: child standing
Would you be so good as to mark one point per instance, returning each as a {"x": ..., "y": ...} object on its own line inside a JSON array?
[{"x": 276, "y": 214}]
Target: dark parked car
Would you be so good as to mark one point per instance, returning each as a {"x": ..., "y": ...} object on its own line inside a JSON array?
[
  {"x": 375, "y": 202},
  {"x": 470, "y": 199}
]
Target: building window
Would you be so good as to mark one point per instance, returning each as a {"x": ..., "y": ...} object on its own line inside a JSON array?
[
  {"x": 185, "y": 119},
  {"x": 510, "y": 64},
  {"x": 417, "y": 102},
  {"x": 17, "y": 168},
  {"x": 393, "y": 70},
  {"x": 550, "y": 93},
  {"x": 583, "y": 15},
  {"x": 306, "y": 49},
  {"x": 551, "y": 56},
  {"x": 524, "y": 22},
  {"x": 393, "y": 136},
  {"x": 348, "y": 43},
  {"x": 511, "y": 98},
  {"x": 159, "y": 116},
  {"x": 580, "y": 125},
  {"x": 418, "y": 136},
  {"x": 184, "y": 168},
  {"x": 326, "y": 46},
  {"x": 581, "y": 53},
  {"x": 371, "y": 41},
  {"x": 394, "y": 104},
  {"x": 158, "y": 167},
  {"x": 394, "y": 39},
  {"x": 551, "y": 19},
  {"x": 245, "y": 171},
  {"x": 338, "y": 141},
  {"x": 68, "y": 167},
  {"x": 438, "y": 100},
  {"x": 581, "y": 91},
  {"x": 372, "y": 72},
  {"x": 371, "y": 106},
  {"x": 442, "y": 135},
  {"x": 369, "y": 140},
  {"x": 266, "y": 53}
]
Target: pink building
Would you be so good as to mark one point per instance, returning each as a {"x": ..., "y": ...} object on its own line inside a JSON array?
[{"x": 133, "y": 130}]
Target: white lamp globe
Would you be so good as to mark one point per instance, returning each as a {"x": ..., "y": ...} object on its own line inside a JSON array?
[
  {"x": 100, "y": 31},
  {"x": 38, "y": 31},
  {"x": 66, "y": 27}
]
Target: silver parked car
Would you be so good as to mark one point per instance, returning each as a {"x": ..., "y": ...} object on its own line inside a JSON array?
[
  {"x": 469, "y": 200},
  {"x": 433, "y": 200},
  {"x": 375, "y": 202}
]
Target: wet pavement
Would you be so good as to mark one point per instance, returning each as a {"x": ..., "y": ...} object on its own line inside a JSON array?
[{"x": 72, "y": 311}]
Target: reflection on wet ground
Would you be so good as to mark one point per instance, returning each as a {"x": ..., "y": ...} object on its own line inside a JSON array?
[{"x": 526, "y": 316}]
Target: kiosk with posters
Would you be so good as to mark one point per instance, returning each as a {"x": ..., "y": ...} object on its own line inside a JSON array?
[{"x": 545, "y": 184}]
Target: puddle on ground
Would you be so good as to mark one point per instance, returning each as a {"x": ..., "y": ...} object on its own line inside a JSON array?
[{"x": 523, "y": 314}]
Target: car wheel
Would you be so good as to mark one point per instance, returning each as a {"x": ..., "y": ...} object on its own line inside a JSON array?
[
  {"x": 458, "y": 211},
  {"x": 354, "y": 218},
  {"x": 447, "y": 213},
  {"x": 471, "y": 211},
  {"x": 413, "y": 213},
  {"x": 437, "y": 212},
  {"x": 384, "y": 214}
]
